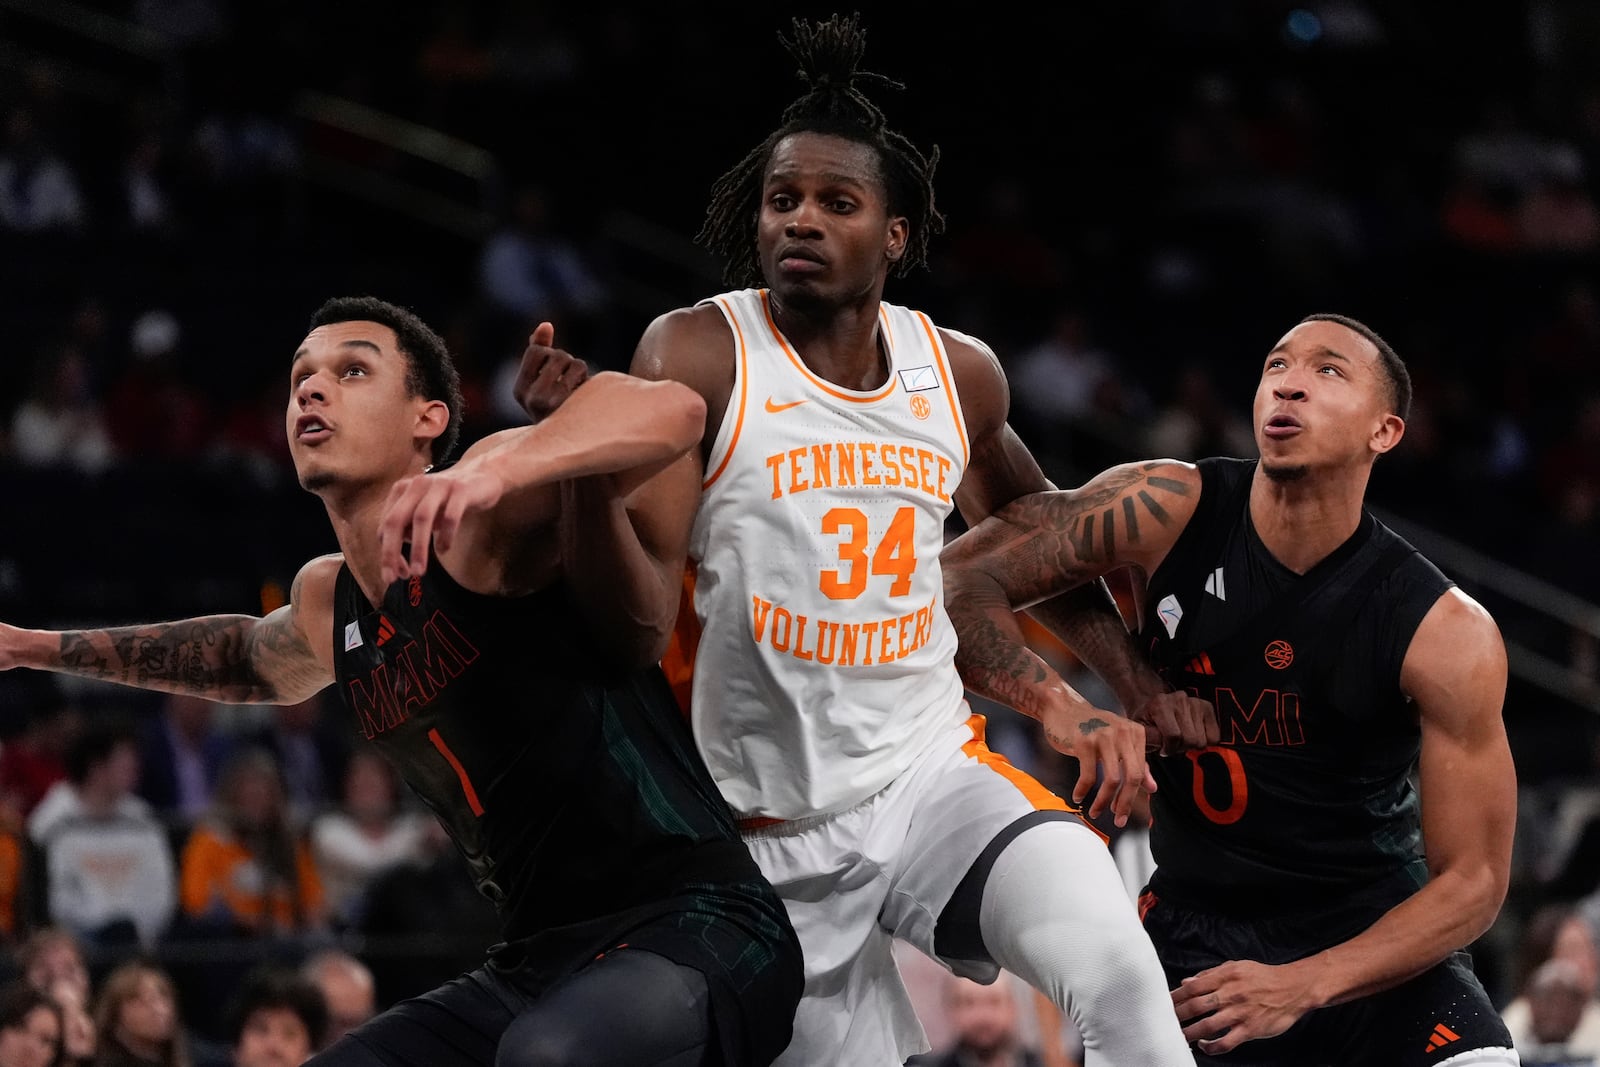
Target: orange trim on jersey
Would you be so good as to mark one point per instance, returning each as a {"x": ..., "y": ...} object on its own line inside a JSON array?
[
  {"x": 1037, "y": 795},
  {"x": 888, "y": 329},
  {"x": 946, "y": 377},
  {"x": 822, "y": 383},
  {"x": 678, "y": 662},
  {"x": 461, "y": 772},
  {"x": 744, "y": 390}
]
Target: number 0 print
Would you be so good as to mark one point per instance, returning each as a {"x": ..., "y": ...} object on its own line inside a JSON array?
[
  {"x": 896, "y": 554},
  {"x": 1238, "y": 787}
]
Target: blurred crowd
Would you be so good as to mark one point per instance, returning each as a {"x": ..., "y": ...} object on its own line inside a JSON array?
[{"x": 1170, "y": 186}]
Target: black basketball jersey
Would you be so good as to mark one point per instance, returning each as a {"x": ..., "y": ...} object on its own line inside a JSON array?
[
  {"x": 1308, "y": 798},
  {"x": 574, "y": 792}
]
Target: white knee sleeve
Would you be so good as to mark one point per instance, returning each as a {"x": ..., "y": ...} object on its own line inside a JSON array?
[{"x": 1056, "y": 914}]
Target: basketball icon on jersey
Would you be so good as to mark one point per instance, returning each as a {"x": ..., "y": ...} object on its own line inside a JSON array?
[
  {"x": 920, "y": 406},
  {"x": 1279, "y": 655}
]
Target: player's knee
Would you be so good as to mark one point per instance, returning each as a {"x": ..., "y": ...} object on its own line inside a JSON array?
[
  {"x": 1056, "y": 912},
  {"x": 537, "y": 1040}
]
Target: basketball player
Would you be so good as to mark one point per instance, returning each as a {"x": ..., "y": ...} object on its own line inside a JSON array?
[
  {"x": 840, "y": 433},
  {"x": 637, "y": 930},
  {"x": 1309, "y": 903}
]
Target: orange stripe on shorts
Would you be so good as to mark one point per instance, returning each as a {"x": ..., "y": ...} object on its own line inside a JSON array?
[{"x": 1041, "y": 798}]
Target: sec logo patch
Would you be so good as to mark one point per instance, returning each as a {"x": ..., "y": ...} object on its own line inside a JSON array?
[{"x": 920, "y": 406}]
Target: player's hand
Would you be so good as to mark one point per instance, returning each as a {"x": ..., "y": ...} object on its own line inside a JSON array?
[
  {"x": 1110, "y": 749},
  {"x": 1177, "y": 722},
  {"x": 547, "y": 375},
  {"x": 1240, "y": 1001},
  {"x": 427, "y": 509}
]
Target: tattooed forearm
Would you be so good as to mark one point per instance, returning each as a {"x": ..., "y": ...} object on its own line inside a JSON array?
[
  {"x": 992, "y": 657},
  {"x": 1087, "y": 621},
  {"x": 995, "y": 666},
  {"x": 200, "y": 656},
  {"x": 1045, "y": 551},
  {"x": 228, "y": 658}
]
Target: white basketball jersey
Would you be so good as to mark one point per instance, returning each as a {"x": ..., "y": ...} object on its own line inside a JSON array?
[{"x": 826, "y": 663}]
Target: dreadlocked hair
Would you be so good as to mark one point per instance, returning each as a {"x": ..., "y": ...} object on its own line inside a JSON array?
[{"x": 828, "y": 54}]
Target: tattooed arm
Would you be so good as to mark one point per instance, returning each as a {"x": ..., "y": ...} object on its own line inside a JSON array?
[
  {"x": 235, "y": 659},
  {"x": 1084, "y": 617},
  {"x": 1040, "y": 546}
]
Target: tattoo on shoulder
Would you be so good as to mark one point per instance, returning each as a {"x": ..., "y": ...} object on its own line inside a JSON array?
[{"x": 1094, "y": 520}]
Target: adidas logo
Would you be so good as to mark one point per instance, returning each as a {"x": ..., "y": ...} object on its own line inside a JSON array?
[
  {"x": 1442, "y": 1036},
  {"x": 1214, "y": 585},
  {"x": 1201, "y": 664},
  {"x": 385, "y": 630}
]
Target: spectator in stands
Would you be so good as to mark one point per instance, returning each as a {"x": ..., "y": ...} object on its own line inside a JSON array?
[
  {"x": 245, "y": 870},
  {"x": 347, "y": 988},
  {"x": 1197, "y": 421},
  {"x": 531, "y": 271},
  {"x": 78, "y": 1038},
  {"x": 276, "y": 1019},
  {"x": 38, "y": 190},
  {"x": 308, "y": 754},
  {"x": 1558, "y": 996},
  {"x": 152, "y": 410},
  {"x": 985, "y": 1021},
  {"x": 16, "y": 873},
  {"x": 59, "y": 424},
  {"x": 1558, "y": 215},
  {"x": 52, "y": 957},
  {"x": 108, "y": 865},
  {"x": 368, "y": 834},
  {"x": 137, "y": 1019},
  {"x": 35, "y": 759},
  {"x": 52, "y": 962},
  {"x": 30, "y": 1027},
  {"x": 182, "y": 756},
  {"x": 1055, "y": 380},
  {"x": 1557, "y": 933}
]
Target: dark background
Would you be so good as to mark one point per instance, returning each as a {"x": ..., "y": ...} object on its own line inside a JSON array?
[{"x": 1173, "y": 183}]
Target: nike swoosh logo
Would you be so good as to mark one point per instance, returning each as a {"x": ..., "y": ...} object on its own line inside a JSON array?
[{"x": 775, "y": 408}]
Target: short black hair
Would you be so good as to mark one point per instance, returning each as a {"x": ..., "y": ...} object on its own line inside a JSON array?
[
  {"x": 431, "y": 372},
  {"x": 18, "y": 1000},
  {"x": 1394, "y": 368},
  {"x": 828, "y": 54},
  {"x": 94, "y": 746},
  {"x": 273, "y": 987}
]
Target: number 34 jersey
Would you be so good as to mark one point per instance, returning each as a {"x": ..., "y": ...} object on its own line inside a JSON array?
[
  {"x": 826, "y": 661},
  {"x": 1308, "y": 798}
]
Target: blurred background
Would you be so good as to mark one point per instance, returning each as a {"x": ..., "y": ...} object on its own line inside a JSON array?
[{"x": 1141, "y": 199}]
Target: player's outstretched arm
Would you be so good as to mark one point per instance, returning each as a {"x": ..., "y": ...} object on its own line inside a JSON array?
[
  {"x": 1455, "y": 672},
  {"x": 1038, "y": 547},
  {"x": 623, "y": 545},
  {"x": 1084, "y": 617},
  {"x": 235, "y": 659},
  {"x": 506, "y": 486}
]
